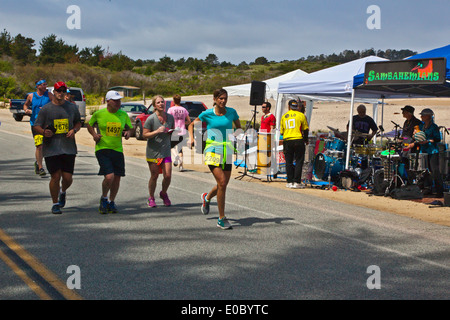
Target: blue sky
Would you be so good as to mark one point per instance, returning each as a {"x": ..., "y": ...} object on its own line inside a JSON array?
[{"x": 234, "y": 30}]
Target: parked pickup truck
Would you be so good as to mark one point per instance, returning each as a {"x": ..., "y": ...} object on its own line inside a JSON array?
[
  {"x": 16, "y": 108},
  {"x": 16, "y": 105}
]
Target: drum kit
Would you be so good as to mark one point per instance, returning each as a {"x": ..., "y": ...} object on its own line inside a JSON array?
[{"x": 381, "y": 168}]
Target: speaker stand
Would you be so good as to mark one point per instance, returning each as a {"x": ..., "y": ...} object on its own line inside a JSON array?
[{"x": 245, "y": 174}]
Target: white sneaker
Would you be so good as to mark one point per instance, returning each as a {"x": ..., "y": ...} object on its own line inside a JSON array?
[
  {"x": 298, "y": 186},
  {"x": 290, "y": 185},
  {"x": 180, "y": 168}
]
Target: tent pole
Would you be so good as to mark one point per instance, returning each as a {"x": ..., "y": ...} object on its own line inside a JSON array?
[{"x": 350, "y": 128}]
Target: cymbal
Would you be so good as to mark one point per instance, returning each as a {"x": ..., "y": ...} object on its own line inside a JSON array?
[
  {"x": 360, "y": 134},
  {"x": 333, "y": 129}
]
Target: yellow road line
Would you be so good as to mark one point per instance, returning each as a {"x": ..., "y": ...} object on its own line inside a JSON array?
[
  {"x": 38, "y": 267},
  {"x": 29, "y": 282}
]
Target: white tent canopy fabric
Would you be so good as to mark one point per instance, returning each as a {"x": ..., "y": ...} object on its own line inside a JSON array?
[
  {"x": 271, "y": 88},
  {"x": 333, "y": 83}
]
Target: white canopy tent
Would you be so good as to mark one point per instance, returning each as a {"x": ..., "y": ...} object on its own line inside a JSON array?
[
  {"x": 332, "y": 84},
  {"x": 272, "y": 85}
]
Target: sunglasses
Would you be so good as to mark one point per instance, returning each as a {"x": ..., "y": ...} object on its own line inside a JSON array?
[{"x": 60, "y": 90}]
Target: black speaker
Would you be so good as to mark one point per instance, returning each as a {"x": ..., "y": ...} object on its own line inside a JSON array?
[{"x": 258, "y": 93}]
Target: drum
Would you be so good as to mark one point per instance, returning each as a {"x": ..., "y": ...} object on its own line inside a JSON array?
[
  {"x": 373, "y": 149},
  {"x": 376, "y": 163},
  {"x": 421, "y": 161},
  {"x": 360, "y": 150},
  {"x": 264, "y": 149},
  {"x": 336, "y": 144},
  {"x": 359, "y": 162},
  {"x": 325, "y": 167}
]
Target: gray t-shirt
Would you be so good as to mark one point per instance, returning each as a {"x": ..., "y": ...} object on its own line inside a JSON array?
[
  {"x": 61, "y": 119},
  {"x": 159, "y": 145}
]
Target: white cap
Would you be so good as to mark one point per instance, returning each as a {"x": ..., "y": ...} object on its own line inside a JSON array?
[{"x": 113, "y": 95}]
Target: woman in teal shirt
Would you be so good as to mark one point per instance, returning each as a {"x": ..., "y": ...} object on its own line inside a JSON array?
[
  {"x": 218, "y": 150},
  {"x": 430, "y": 147}
]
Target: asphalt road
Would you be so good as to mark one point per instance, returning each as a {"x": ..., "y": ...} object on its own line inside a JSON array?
[{"x": 283, "y": 246}]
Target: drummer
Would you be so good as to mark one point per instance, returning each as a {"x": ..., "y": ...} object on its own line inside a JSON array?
[
  {"x": 362, "y": 123},
  {"x": 430, "y": 147}
]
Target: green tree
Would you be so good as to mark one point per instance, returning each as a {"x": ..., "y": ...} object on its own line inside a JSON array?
[
  {"x": 22, "y": 49},
  {"x": 211, "y": 60},
  {"x": 165, "y": 64},
  {"x": 261, "y": 61},
  {"x": 54, "y": 50},
  {"x": 5, "y": 43},
  {"x": 7, "y": 86},
  {"x": 117, "y": 62},
  {"x": 91, "y": 56}
]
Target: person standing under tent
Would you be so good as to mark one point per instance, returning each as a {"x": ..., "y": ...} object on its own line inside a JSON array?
[
  {"x": 268, "y": 121},
  {"x": 295, "y": 131},
  {"x": 408, "y": 132},
  {"x": 429, "y": 145}
]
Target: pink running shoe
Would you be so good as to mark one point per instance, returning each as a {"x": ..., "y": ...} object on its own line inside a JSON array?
[
  {"x": 151, "y": 202},
  {"x": 165, "y": 198}
]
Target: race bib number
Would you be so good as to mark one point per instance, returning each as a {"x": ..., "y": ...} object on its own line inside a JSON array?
[
  {"x": 113, "y": 129},
  {"x": 212, "y": 159},
  {"x": 38, "y": 139},
  {"x": 61, "y": 125}
]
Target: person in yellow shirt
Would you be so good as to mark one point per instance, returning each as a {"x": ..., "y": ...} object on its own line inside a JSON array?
[{"x": 295, "y": 130}]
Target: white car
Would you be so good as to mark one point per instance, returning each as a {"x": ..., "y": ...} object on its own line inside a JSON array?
[{"x": 79, "y": 98}]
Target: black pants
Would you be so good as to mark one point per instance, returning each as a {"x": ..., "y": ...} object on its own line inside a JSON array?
[
  {"x": 433, "y": 166},
  {"x": 294, "y": 150}
]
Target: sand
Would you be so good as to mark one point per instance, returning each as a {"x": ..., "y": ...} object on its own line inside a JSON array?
[{"x": 333, "y": 114}]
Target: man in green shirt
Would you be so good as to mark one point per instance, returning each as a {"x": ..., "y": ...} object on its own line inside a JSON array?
[{"x": 110, "y": 122}]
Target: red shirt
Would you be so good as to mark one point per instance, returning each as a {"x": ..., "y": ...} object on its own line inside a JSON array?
[{"x": 267, "y": 120}]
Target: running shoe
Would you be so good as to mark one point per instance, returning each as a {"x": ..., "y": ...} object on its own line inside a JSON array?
[
  {"x": 205, "y": 204},
  {"x": 224, "y": 224},
  {"x": 112, "y": 208},
  {"x": 298, "y": 186},
  {"x": 151, "y": 202},
  {"x": 56, "y": 209},
  {"x": 289, "y": 185},
  {"x": 36, "y": 167},
  {"x": 103, "y": 208},
  {"x": 180, "y": 168},
  {"x": 42, "y": 172},
  {"x": 62, "y": 199},
  {"x": 165, "y": 198}
]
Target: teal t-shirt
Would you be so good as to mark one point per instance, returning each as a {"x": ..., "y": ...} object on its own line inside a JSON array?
[
  {"x": 217, "y": 150},
  {"x": 111, "y": 126}
]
